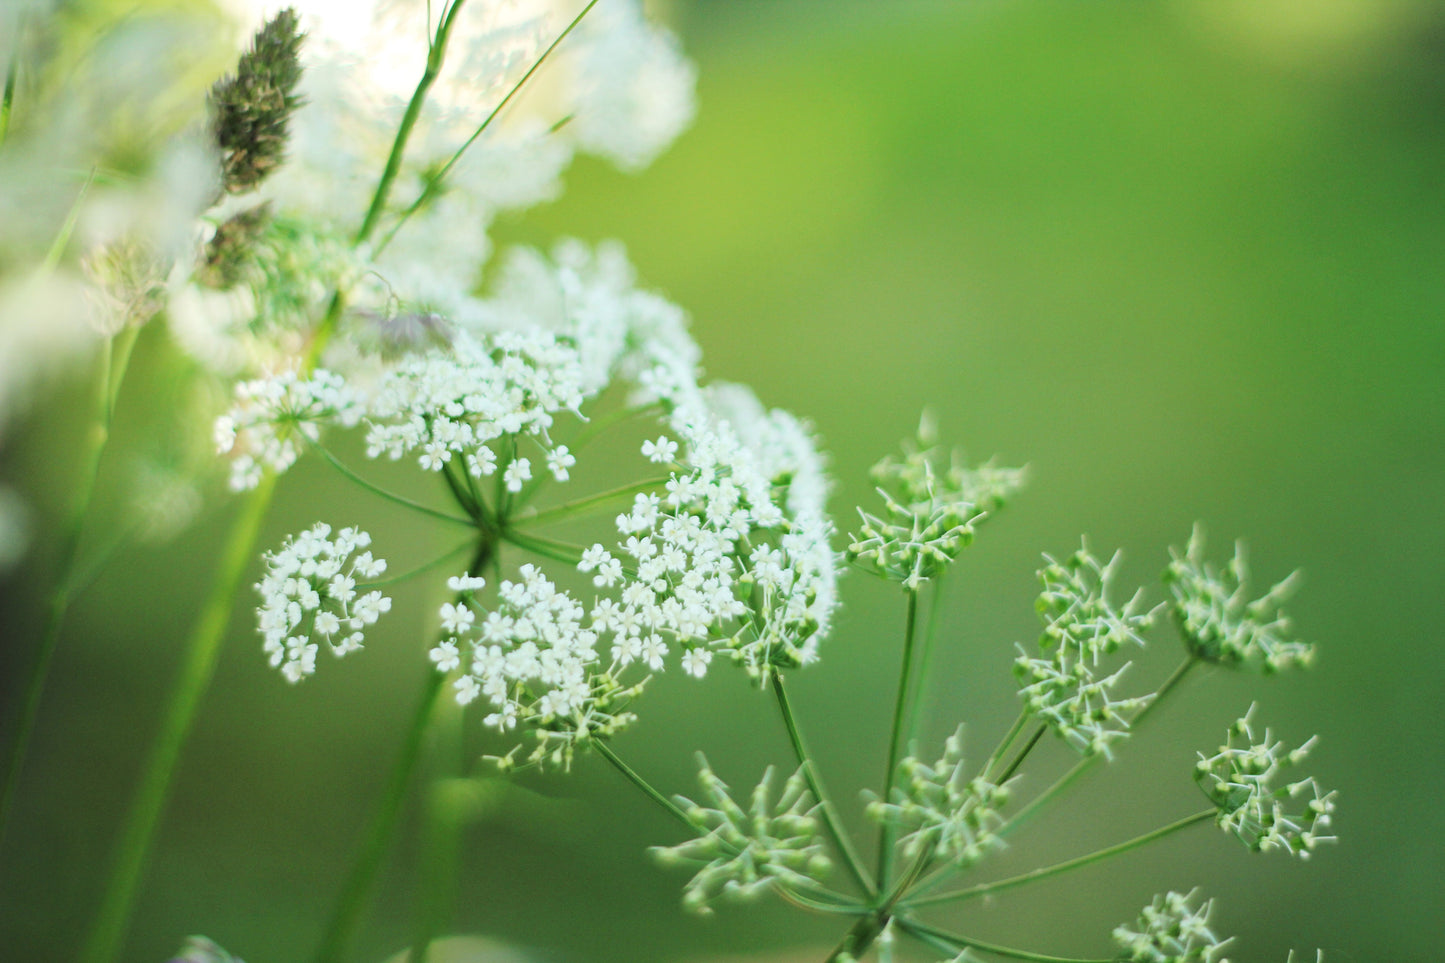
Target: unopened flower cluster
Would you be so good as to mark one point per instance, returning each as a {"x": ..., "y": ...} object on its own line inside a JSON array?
[
  {"x": 942, "y": 810},
  {"x": 310, "y": 593},
  {"x": 1219, "y": 622},
  {"x": 744, "y": 852},
  {"x": 931, "y": 507},
  {"x": 1065, "y": 686},
  {"x": 1172, "y": 929},
  {"x": 1242, "y": 780}
]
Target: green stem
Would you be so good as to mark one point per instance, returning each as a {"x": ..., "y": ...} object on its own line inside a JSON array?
[
  {"x": 953, "y": 943},
  {"x": 1004, "y": 744},
  {"x": 568, "y": 509},
  {"x": 7, "y": 103},
  {"x": 434, "y": 183},
  {"x": 1023, "y": 754},
  {"x": 115, "y": 356},
  {"x": 200, "y": 662},
  {"x": 1088, "y": 762},
  {"x": 424, "y": 567},
  {"x": 895, "y": 739},
  {"x": 829, "y": 812},
  {"x": 389, "y": 496},
  {"x": 434, "y": 59},
  {"x": 925, "y": 659},
  {"x": 984, "y": 889},
  {"x": 673, "y": 809},
  {"x": 346, "y": 918}
]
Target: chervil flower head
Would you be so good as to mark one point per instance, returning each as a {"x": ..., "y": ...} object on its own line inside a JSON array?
[
  {"x": 1172, "y": 930},
  {"x": 942, "y": 810},
  {"x": 1064, "y": 686},
  {"x": 743, "y": 852},
  {"x": 1219, "y": 623},
  {"x": 932, "y": 502},
  {"x": 310, "y": 594},
  {"x": 1242, "y": 781},
  {"x": 272, "y": 417}
]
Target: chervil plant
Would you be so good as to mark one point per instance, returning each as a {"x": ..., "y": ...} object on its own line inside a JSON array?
[{"x": 333, "y": 287}]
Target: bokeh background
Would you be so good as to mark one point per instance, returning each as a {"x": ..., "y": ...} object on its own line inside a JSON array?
[{"x": 1184, "y": 258}]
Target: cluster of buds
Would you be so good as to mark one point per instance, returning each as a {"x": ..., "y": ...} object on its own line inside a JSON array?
[
  {"x": 942, "y": 810},
  {"x": 1220, "y": 624},
  {"x": 1064, "y": 686},
  {"x": 1240, "y": 781},
  {"x": 932, "y": 502},
  {"x": 744, "y": 852},
  {"x": 1172, "y": 930}
]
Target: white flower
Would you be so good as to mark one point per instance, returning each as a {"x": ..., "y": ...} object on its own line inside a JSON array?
[
  {"x": 559, "y": 459},
  {"x": 306, "y": 595},
  {"x": 466, "y": 583},
  {"x": 456, "y": 618},
  {"x": 518, "y": 472},
  {"x": 695, "y": 662},
  {"x": 661, "y": 451},
  {"x": 445, "y": 656},
  {"x": 272, "y": 417}
]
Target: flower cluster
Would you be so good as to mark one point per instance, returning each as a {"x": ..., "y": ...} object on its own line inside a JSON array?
[
  {"x": 262, "y": 428},
  {"x": 1064, "y": 686},
  {"x": 1172, "y": 930},
  {"x": 1240, "y": 781},
  {"x": 931, "y": 508},
  {"x": 942, "y": 810},
  {"x": 457, "y": 403},
  {"x": 309, "y": 592},
  {"x": 534, "y": 659},
  {"x": 743, "y": 852},
  {"x": 1220, "y": 624}
]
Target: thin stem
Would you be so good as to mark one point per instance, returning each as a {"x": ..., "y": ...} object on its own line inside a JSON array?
[
  {"x": 569, "y": 509},
  {"x": 673, "y": 809},
  {"x": 984, "y": 889},
  {"x": 389, "y": 496},
  {"x": 435, "y": 55},
  {"x": 953, "y": 943},
  {"x": 346, "y": 919},
  {"x": 895, "y": 739},
  {"x": 424, "y": 567},
  {"x": 804, "y": 899},
  {"x": 462, "y": 492},
  {"x": 196, "y": 671},
  {"x": 7, "y": 102},
  {"x": 115, "y": 357},
  {"x": 434, "y": 183},
  {"x": 601, "y": 423},
  {"x": 831, "y": 821},
  {"x": 1023, "y": 754},
  {"x": 1088, "y": 762},
  {"x": 1004, "y": 744},
  {"x": 72, "y": 217},
  {"x": 925, "y": 659}
]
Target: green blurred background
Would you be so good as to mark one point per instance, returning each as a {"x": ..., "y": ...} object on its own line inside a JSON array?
[{"x": 1186, "y": 259}]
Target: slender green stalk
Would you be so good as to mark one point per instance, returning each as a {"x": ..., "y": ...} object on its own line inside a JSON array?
[
  {"x": 424, "y": 567},
  {"x": 673, "y": 809},
  {"x": 200, "y": 662},
  {"x": 953, "y": 943},
  {"x": 1004, "y": 744},
  {"x": 1023, "y": 754},
  {"x": 1044, "y": 872},
  {"x": 346, "y": 919},
  {"x": 435, "y": 182},
  {"x": 72, "y": 217},
  {"x": 576, "y": 507},
  {"x": 115, "y": 357},
  {"x": 831, "y": 821},
  {"x": 435, "y": 56},
  {"x": 390, "y": 496},
  {"x": 925, "y": 659},
  {"x": 1088, "y": 762},
  {"x": 895, "y": 739},
  {"x": 7, "y": 102},
  {"x": 804, "y": 900}
]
